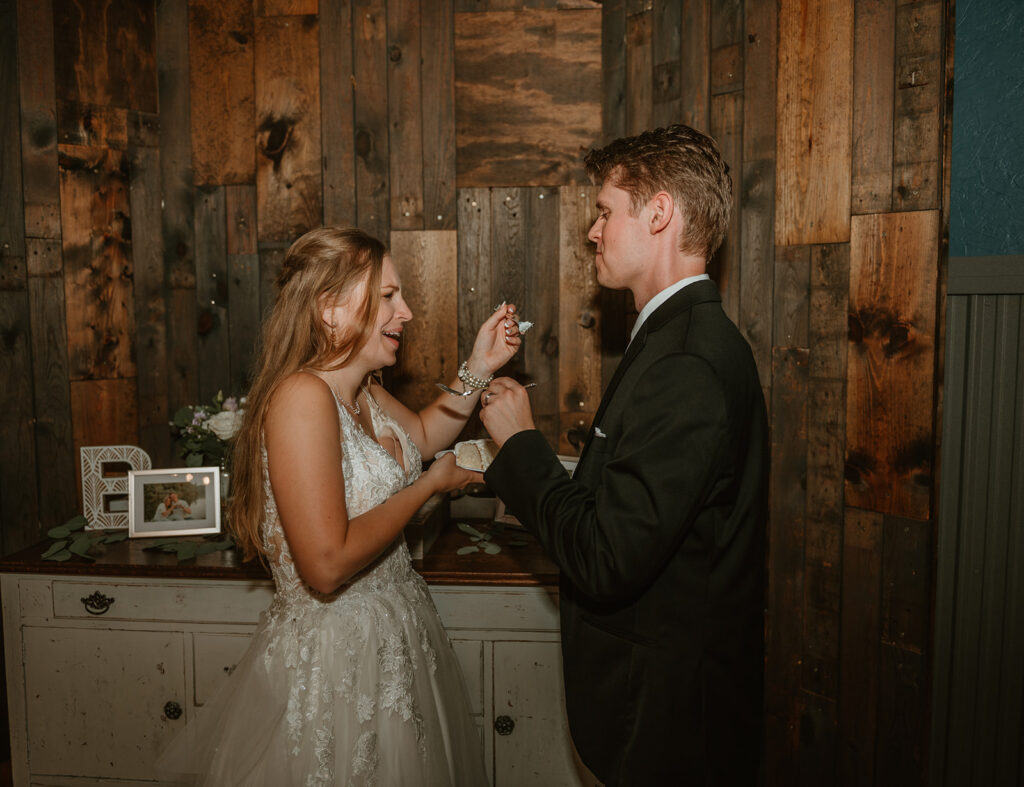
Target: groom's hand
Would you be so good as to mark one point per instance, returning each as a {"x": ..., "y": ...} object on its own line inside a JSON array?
[{"x": 505, "y": 409}]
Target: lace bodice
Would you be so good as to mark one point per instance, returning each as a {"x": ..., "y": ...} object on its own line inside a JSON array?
[{"x": 372, "y": 475}]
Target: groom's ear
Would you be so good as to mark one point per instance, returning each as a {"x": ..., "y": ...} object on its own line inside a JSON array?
[{"x": 661, "y": 208}]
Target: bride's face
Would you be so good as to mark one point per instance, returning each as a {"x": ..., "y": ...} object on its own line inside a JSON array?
[{"x": 392, "y": 314}]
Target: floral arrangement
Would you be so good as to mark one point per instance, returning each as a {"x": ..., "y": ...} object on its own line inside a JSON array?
[{"x": 204, "y": 431}]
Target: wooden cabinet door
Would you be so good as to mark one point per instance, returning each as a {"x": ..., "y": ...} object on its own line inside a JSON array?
[
  {"x": 538, "y": 751},
  {"x": 95, "y": 699}
]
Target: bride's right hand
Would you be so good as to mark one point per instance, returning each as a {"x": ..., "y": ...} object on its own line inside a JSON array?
[{"x": 447, "y": 476}]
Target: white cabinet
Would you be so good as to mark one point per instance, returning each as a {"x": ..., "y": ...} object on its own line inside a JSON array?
[{"x": 102, "y": 673}]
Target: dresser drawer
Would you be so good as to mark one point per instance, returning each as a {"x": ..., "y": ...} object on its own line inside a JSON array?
[{"x": 187, "y": 602}]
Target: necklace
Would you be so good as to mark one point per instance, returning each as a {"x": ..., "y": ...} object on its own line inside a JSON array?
[{"x": 354, "y": 409}]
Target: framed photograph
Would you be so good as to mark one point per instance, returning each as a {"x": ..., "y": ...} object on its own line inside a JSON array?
[{"x": 181, "y": 501}]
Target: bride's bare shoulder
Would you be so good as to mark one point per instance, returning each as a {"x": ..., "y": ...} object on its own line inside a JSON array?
[{"x": 300, "y": 395}]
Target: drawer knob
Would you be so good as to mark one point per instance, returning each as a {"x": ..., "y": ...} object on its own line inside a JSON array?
[
  {"x": 503, "y": 725},
  {"x": 172, "y": 710},
  {"x": 97, "y": 603}
]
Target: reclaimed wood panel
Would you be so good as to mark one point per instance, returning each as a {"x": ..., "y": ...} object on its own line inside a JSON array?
[
  {"x": 917, "y": 133},
  {"x": 785, "y": 561},
  {"x": 214, "y": 355},
  {"x": 639, "y": 73},
  {"x": 177, "y": 214},
  {"x": 696, "y": 64},
  {"x": 666, "y": 52},
  {"x": 105, "y": 53},
  {"x": 760, "y": 55},
  {"x": 288, "y": 183},
  {"x": 286, "y": 7},
  {"x": 792, "y": 282},
  {"x": 903, "y": 718},
  {"x": 93, "y": 126},
  {"x": 12, "y": 215},
  {"x": 757, "y": 252},
  {"x": 271, "y": 260},
  {"x": 579, "y": 320},
  {"x": 527, "y": 95},
  {"x": 405, "y": 119},
  {"x": 726, "y": 61},
  {"x": 725, "y": 266},
  {"x": 43, "y": 257},
  {"x": 243, "y": 284},
  {"x": 437, "y": 52},
  {"x": 861, "y": 634},
  {"x": 18, "y": 502},
  {"x": 150, "y": 306},
  {"x": 829, "y": 310},
  {"x": 427, "y": 263},
  {"x": 891, "y": 362},
  {"x": 474, "y": 267},
  {"x": 37, "y": 91},
  {"x": 369, "y": 53},
  {"x": 95, "y": 217},
  {"x": 103, "y": 413},
  {"x": 221, "y": 93},
  {"x": 874, "y": 33},
  {"x": 510, "y": 231},
  {"x": 336, "y": 113},
  {"x": 613, "y": 69},
  {"x": 815, "y": 78},
  {"x": 51, "y": 401}
]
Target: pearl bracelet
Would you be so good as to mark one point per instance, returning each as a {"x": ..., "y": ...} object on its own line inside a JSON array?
[{"x": 471, "y": 380}]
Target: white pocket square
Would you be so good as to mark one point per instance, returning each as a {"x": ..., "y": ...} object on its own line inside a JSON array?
[{"x": 598, "y": 432}]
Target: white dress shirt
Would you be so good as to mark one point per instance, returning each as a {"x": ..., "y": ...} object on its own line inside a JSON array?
[{"x": 661, "y": 297}]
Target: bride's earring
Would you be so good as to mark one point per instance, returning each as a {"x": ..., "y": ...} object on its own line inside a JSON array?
[{"x": 334, "y": 338}]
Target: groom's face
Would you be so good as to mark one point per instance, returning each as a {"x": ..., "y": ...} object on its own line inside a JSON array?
[{"x": 620, "y": 238}]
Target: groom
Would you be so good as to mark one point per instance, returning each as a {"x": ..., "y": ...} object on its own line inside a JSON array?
[{"x": 659, "y": 535}]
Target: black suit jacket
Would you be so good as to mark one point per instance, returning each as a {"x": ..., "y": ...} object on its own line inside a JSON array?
[{"x": 659, "y": 537}]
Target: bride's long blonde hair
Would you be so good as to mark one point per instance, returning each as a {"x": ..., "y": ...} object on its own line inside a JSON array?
[{"x": 321, "y": 268}]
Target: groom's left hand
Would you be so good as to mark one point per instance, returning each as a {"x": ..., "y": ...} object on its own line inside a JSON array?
[{"x": 505, "y": 409}]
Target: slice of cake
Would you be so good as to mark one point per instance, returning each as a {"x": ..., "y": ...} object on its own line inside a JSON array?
[{"x": 475, "y": 454}]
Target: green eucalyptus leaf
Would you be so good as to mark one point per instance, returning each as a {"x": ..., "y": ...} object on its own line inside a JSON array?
[
  {"x": 187, "y": 551},
  {"x": 469, "y": 529},
  {"x": 206, "y": 548},
  {"x": 491, "y": 548},
  {"x": 61, "y": 531},
  {"x": 194, "y": 460},
  {"x": 183, "y": 417},
  {"x": 61, "y": 556},
  {"x": 76, "y": 522},
  {"x": 115, "y": 538},
  {"x": 466, "y": 550},
  {"x": 81, "y": 546},
  {"x": 518, "y": 542},
  {"x": 53, "y": 550}
]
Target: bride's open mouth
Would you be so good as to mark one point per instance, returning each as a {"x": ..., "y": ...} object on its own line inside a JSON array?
[{"x": 394, "y": 336}]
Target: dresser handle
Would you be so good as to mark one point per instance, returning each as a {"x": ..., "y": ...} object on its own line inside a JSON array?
[
  {"x": 172, "y": 710},
  {"x": 504, "y": 725},
  {"x": 97, "y": 603}
]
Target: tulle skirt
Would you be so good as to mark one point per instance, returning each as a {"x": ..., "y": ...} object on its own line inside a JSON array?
[{"x": 362, "y": 691}]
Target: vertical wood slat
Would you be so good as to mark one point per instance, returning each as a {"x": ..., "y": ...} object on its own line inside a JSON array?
[
  {"x": 35, "y": 55},
  {"x": 438, "y": 114},
  {"x": 579, "y": 328},
  {"x": 104, "y": 413},
  {"x": 873, "y": 95},
  {"x": 666, "y": 50},
  {"x": 696, "y": 57},
  {"x": 243, "y": 286},
  {"x": 213, "y": 358},
  {"x": 221, "y": 93},
  {"x": 474, "y": 278},
  {"x": 150, "y": 306},
  {"x": 814, "y": 121},
  {"x": 639, "y": 70},
  {"x": 369, "y": 45},
  {"x": 288, "y": 162},
  {"x": 613, "y": 69},
  {"x": 917, "y": 121},
  {"x": 890, "y": 363},
  {"x": 760, "y": 55},
  {"x": 177, "y": 217},
  {"x": 427, "y": 262},
  {"x": 97, "y": 262},
  {"x": 336, "y": 113},
  {"x": 405, "y": 118},
  {"x": 727, "y": 130}
]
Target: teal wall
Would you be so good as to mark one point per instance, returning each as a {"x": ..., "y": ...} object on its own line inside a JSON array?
[{"x": 986, "y": 206}]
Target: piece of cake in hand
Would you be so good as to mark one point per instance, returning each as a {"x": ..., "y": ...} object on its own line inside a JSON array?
[{"x": 475, "y": 454}]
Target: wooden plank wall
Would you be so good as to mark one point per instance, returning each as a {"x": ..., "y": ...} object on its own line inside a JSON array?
[{"x": 158, "y": 157}]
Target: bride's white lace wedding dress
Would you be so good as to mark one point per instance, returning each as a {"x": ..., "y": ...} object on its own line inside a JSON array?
[{"x": 360, "y": 687}]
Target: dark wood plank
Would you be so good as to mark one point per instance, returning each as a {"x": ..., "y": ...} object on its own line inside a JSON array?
[
  {"x": 890, "y": 367},
  {"x": 639, "y": 73},
  {"x": 757, "y": 251},
  {"x": 178, "y": 235},
  {"x": 221, "y": 90},
  {"x": 829, "y": 319},
  {"x": 271, "y": 259},
  {"x": 759, "y": 80},
  {"x": 666, "y": 52},
  {"x": 814, "y": 122},
  {"x": 106, "y": 53},
  {"x": 819, "y": 741},
  {"x": 405, "y": 117},
  {"x": 522, "y": 120},
  {"x": 243, "y": 283},
  {"x": 696, "y": 64},
  {"x": 12, "y": 216},
  {"x": 35, "y": 55},
  {"x": 860, "y": 635},
  {"x": 79, "y": 123},
  {"x": 438, "y": 111},
  {"x": 336, "y": 113},
  {"x": 43, "y": 257},
  {"x": 19, "y": 508},
  {"x": 784, "y": 633},
  {"x": 917, "y": 121},
  {"x": 474, "y": 275},
  {"x": 906, "y": 583},
  {"x": 287, "y": 72},
  {"x": 903, "y": 718},
  {"x": 103, "y": 413},
  {"x": 792, "y": 292},
  {"x": 510, "y": 233},
  {"x": 369, "y": 54},
  {"x": 613, "y": 69},
  {"x": 873, "y": 88},
  {"x": 150, "y": 307},
  {"x": 212, "y": 292},
  {"x": 51, "y": 401},
  {"x": 427, "y": 263},
  {"x": 97, "y": 262},
  {"x": 724, "y": 266},
  {"x": 726, "y": 65},
  {"x": 286, "y": 7}
]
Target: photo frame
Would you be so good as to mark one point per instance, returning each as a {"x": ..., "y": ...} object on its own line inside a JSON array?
[{"x": 180, "y": 501}]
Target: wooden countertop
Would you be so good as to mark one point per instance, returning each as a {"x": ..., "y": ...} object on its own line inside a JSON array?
[{"x": 513, "y": 565}]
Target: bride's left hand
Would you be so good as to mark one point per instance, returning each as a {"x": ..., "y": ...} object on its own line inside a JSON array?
[{"x": 496, "y": 342}]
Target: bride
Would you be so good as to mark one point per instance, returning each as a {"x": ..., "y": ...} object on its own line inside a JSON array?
[{"x": 350, "y": 678}]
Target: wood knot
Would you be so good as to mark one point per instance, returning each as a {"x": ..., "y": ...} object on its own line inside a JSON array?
[
  {"x": 274, "y": 136},
  {"x": 394, "y": 53}
]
